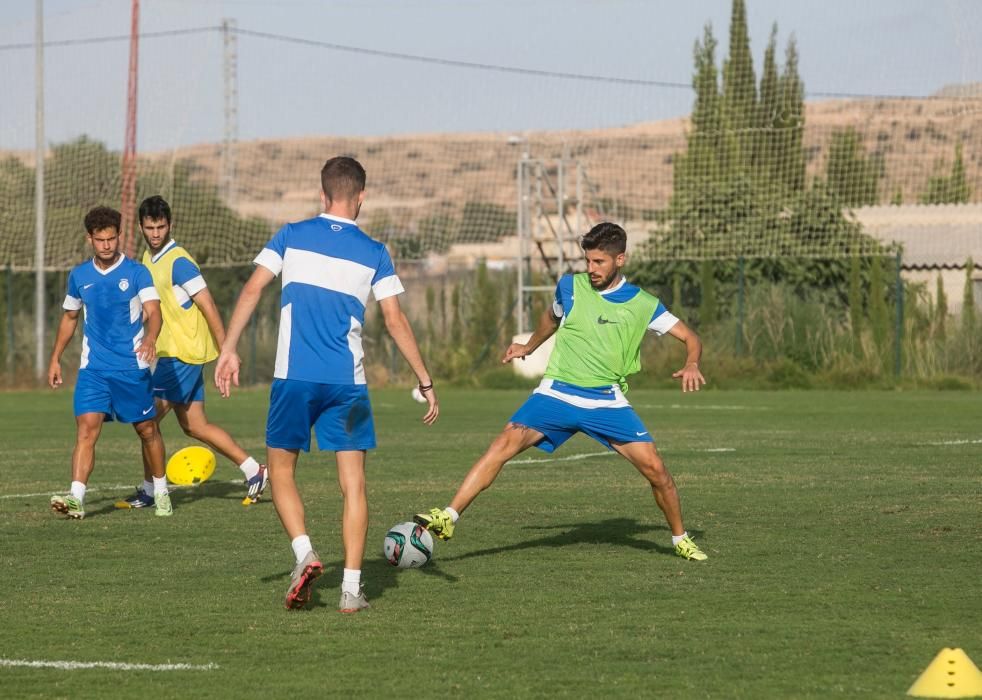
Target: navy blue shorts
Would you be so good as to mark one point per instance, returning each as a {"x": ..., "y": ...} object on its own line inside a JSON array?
[
  {"x": 340, "y": 414},
  {"x": 178, "y": 382},
  {"x": 122, "y": 395},
  {"x": 558, "y": 421}
]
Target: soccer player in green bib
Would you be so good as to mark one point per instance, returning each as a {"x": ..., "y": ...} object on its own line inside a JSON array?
[{"x": 599, "y": 320}]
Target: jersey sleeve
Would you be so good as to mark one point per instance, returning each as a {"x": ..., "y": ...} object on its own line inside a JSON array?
[
  {"x": 563, "y": 302},
  {"x": 144, "y": 285},
  {"x": 187, "y": 276},
  {"x": 386, "y": 282},
  {"x": 73, "y": 296},
  {"x": 271, "y": 257},
  {"x": 662, "y": 321}
]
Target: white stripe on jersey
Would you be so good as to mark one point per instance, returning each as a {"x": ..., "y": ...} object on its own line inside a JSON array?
[
  {"x": 616, "y": 401},
  {"x": 387, "y": 287},
  {"x": 271, "y": 260},
  {"x": 357, "y": 353},
  {"x": 283, "y": 342},
  {"x": 180, "y": 295},
  {"x": 663, "y": 323},
  {"x": 326, "y": 272},
  {"x": 194, "y": 285}
]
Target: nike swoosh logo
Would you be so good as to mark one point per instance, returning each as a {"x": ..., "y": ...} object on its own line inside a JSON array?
[
  {"x": 601, "y": 320},
  {"x": 86, "y": 286},
  {"x": 642, "y": 433},
  {"x": 148, "y": 410}
]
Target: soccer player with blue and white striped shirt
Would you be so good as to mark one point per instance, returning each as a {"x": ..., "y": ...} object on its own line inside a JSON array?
[
  {"x": 117, "y": 350},
  {"x": 328, "y": 267}
]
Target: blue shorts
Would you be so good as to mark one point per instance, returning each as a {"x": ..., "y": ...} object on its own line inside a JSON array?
[
  {"x": 178, "y": 382},
  {"x": 123, "y": 395},
  {"x": 340, "y": 415},
  {"x": 558, "y": 421}
]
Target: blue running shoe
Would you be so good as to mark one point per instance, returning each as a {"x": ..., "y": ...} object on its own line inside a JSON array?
[
  {"x": 257, "y": 485},
  {"x": 141, "y": 499}
]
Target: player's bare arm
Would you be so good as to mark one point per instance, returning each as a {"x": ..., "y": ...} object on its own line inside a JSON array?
[
  {"x": 227, "y": 367},
  {"x": 548, "y": 325},
  {"x": 147, "y": 349},
  {"x": 692, "y": 379},
  {"x": 66, "y": 329},
  {"x": 206, "y": 304},
  {"x": 398, "y": 327}
]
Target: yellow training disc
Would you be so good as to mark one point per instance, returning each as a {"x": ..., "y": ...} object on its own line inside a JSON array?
[{"x": 191, "y": 465}]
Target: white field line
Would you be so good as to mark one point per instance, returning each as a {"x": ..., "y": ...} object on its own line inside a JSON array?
[
  {"x": 111, "y": 665},
  {"x": 952, "y": 442},
  {"x": 609, "y": 453},
  {"x": 114, "y": 487}
]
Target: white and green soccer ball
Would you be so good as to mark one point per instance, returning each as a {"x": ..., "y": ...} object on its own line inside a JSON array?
[{"x": 408, "y": 545}]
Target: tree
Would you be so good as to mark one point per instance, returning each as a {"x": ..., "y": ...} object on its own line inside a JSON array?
[
  {"x": 740, "y": 89},
  {"x": 852, "y": 176},
  {"x": 791, "y": 123},
  {"x": 952, "y": 189}
]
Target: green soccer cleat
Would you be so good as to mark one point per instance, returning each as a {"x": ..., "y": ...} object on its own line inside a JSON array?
[
  {"x": 437, "y": 521},
  {"x": 687, "y": 549},
  {"x": 162, "y": 505},
  {"x": 68, "y": 505}
]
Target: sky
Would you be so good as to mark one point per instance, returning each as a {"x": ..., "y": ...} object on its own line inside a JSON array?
[{"x": 300, "y": 81}]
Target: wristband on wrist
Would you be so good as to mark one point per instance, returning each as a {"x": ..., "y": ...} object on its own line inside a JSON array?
[{"x": 423, "y": 388}]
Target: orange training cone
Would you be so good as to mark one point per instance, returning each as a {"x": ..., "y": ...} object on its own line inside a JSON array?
[{"x": 951, "y": 675}]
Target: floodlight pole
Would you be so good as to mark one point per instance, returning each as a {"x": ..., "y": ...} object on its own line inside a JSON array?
[
  {"x": 40, "y": 368},
  {"x": 128, "y": 203}
]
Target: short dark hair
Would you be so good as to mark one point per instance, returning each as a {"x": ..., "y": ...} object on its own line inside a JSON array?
[
  {"x": 342, "y": 178},
  {"x": 607, "y": 237},
  {"x": 101, "y": 218},
  {"x": 155, "y": 207}
]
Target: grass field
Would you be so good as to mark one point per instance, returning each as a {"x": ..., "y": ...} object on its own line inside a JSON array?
[{"x": 844, "y": 532}]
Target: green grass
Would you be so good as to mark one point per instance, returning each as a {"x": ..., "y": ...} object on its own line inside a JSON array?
[{"x": 845, "y": 552}]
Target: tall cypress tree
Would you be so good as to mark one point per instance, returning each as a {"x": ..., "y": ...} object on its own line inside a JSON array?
[
  {"x": 768, "y": 115},
  {"x": 740, "y": 89},
  {"x": 791, "y": 123},
  {"x": 699, "y": 166}
]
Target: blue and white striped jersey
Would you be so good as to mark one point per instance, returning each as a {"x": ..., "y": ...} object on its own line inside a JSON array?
[
  {"x": 328, "y": 266},
  {"x": 112, "y": 303}
]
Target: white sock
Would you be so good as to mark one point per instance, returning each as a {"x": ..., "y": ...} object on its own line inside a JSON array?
[
  {"x": 678, "y": 538},
  {"x": 160, "y": 486},
  {"x": 301, "y": 547},
  {"x": 351, "y": 583},
  {"x": 78, "y": 490},
  {"x": 454, "y": 515},
  {"x": 249, "y": 468},
  {"x": 147, "y": 487}
]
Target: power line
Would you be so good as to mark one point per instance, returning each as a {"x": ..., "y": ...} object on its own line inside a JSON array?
[{"x": 432, "y": 60}]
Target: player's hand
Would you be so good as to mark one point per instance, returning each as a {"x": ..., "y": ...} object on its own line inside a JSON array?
[
  {"x": 147, "y": 349},
  {"x": 692, "y": 379},
  {"x": 515, "y": 350},
  {"x": 434, "y": 406},
  {"x": 54, "y": 375},
  {"x": 227, "y": 372}
]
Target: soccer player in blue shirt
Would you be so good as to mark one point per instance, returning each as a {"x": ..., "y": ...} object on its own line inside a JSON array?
[
  {"x": 117, "y": 349},
  {"x": 189, "y": 339},
  {"x": 328, "y": 268}
]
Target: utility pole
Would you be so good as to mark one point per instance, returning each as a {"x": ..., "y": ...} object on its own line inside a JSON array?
[
  {"x": 128, "y": 204},
  {"x": 40, "y": 367},
  {"x": 231, "y": 74}
]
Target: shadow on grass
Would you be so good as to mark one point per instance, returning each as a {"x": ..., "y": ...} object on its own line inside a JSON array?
[
  {"x": 179, "y": 496},
  {"x": 622, "y": 532}
]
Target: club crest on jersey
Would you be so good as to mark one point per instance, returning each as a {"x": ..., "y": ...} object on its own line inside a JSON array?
[
  {"x": 124, "y": 285},
  {"x": 336, "y": 227}
]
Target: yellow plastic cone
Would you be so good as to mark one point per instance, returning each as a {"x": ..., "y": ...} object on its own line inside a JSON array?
[{"x": 951, "y": 675}]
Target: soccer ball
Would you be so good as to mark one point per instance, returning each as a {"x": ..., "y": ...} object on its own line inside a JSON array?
[
  {"x": 407, "y": 545},
  {"x": 191, "y": 465},
  {"x": 417, "y": 395}
]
